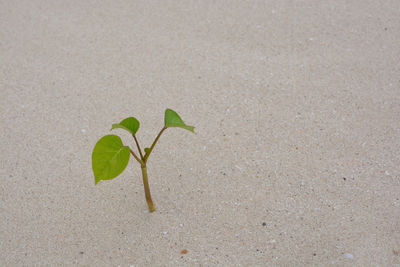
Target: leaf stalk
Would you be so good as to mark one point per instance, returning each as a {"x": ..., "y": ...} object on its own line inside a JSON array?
[
  {"x": 146, "y": 156},
  {"x": 138, "y": 146},
  {"x": 136, "y": 157}
]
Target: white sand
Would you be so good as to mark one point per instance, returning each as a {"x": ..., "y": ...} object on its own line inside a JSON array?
[{"x": 297, "y": 111}]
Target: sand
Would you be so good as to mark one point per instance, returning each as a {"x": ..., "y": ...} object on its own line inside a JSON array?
[{"x": 295, "y": 162}]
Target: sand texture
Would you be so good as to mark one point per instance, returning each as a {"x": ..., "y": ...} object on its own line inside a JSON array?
[{"x": 295, "y": 160}]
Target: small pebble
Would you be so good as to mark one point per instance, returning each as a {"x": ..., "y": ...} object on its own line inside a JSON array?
[
  {"x": 387, "y": 173},
  {"x": 83, "y": 131},
  {"x": 164, "y": 233},
  {"x": 348, "y": 256}
]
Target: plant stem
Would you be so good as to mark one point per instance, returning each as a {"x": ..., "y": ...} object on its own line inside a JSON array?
[
  {"x": 136, "y": 157},
  {"x": 138, "y": 146},
  {"x": 146, "y": 156},
  {"x": 147, "y": 188}
]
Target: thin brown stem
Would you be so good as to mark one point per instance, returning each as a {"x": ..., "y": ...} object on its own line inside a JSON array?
[
  {"x": 136, "y": 157},
  {"x": 146, "y": 156},
  {"x": 138, "y": 146}
]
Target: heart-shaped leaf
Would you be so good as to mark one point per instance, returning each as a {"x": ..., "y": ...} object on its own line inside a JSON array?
[
  {"x": 109, "y": 158},
  {"x": 130, "y": 124},
  {"x": 172, "y": 119}
]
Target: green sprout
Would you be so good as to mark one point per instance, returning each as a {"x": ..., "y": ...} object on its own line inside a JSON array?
[{"x": 110, "y": 157}]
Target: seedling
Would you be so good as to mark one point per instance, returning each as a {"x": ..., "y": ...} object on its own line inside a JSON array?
[{"x": 110, "y": 157}]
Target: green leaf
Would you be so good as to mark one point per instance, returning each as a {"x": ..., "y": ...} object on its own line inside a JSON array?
[
  {"x": 172, "y": 119},
  {"x": 109, "y": 158},
  {"x": 146, "y": 150},
  {"x": 130, "y": 124}
]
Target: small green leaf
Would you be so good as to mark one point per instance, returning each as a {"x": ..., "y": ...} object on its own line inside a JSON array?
[
  {"x": 130, "y": 124},
  {"x": 109, "y": 158},
  {"x": 146, "y": 150},
  {"x": 172, "y": 119}
]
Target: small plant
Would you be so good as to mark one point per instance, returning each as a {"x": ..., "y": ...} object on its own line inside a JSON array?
[{"x": 110, "y": 157}]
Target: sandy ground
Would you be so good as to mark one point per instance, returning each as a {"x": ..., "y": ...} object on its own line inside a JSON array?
[{"x": 296, "y": 158}]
